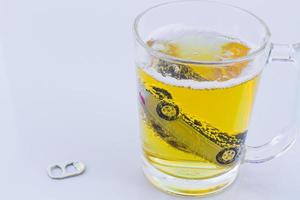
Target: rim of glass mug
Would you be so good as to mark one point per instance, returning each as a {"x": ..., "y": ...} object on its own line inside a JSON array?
[{"x": 156, "y": 53}]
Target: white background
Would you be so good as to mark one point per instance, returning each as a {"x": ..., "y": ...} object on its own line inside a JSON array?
[{"x": 67, "y": 92}]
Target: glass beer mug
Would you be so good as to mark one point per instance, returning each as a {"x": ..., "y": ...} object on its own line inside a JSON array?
[{"x": 198, "y": 67}]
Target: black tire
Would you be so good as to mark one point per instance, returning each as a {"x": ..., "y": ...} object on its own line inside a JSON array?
[
  {"x": 162, "y": 93},
  {"x": 227, "y": 156},
  {"x": 167, "y": 111}
]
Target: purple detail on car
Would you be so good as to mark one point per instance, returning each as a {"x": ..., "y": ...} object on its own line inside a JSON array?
[{"x": 142, "y": 98}]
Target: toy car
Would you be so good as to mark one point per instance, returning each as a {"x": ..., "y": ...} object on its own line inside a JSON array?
[{"x": 186, "y": 133}]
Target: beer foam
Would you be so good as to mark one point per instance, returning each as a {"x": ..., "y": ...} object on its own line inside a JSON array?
[
  {"x": 171, "y": 32},
  {"x": 177, "y": 32},
  {"x": 201, "y": 84}
]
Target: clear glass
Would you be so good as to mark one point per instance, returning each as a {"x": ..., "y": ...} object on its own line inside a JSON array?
[{"x": 194, "y": 113}]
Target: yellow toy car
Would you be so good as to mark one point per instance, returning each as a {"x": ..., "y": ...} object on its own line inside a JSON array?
[{"x": 185, "y": 133}]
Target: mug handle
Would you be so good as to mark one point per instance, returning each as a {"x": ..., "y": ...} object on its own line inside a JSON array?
[{"x": 286, "y": 137}]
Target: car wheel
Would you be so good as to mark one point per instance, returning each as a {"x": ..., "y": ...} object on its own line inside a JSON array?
[
  {"x": 167, "y": 111},
  {"x": 227, "y": 156}
]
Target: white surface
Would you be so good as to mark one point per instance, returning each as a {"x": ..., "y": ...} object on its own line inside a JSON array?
[{"x": 67, "y": 84}]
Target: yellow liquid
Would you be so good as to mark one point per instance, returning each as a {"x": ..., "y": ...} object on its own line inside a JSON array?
[{"x": 223, "y": 110}]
